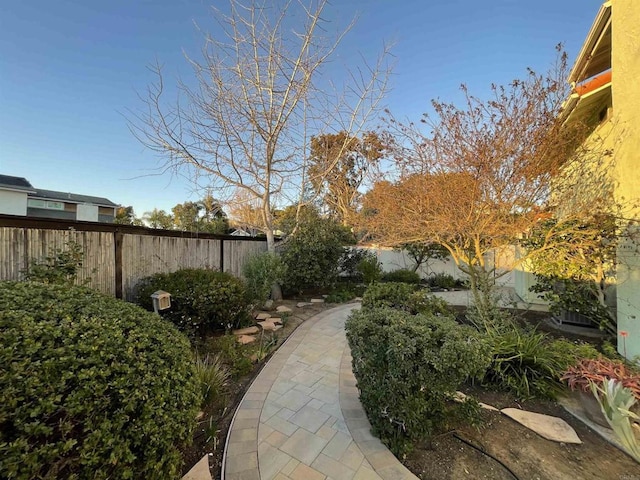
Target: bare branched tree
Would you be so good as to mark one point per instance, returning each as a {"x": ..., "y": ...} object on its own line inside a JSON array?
[
  {"x": 481, "y": 177},
  {"x": 259, "y": 90}
]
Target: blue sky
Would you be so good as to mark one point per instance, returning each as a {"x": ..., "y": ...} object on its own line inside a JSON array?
[{"x": 69, "y": 70}]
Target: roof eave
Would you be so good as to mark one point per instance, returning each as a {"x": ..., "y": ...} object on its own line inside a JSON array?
[{"x": 593, "y": 37}]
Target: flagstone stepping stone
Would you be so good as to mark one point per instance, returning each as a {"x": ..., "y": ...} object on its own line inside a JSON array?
[
  {"x": 488, "y": 407},
  {"x": 247, "y": 331},
  {"x": 277, "y": 327},
  {"x": 551, "y": 428},
  {"x": 317, "y": 300},
  {"x": 200, "y": 470},
  {"x": 461, "y": 397},
  {"x": 262, "y": 315},
  {"x": 302, "y": 304},
  {"x": 245, "y": 339},
  {"x": 276, "y": 320},
  {"x": 267, "y": 326},
  {"x": 282, "y": 308}
]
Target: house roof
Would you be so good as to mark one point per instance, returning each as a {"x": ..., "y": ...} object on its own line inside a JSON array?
[
  {"x": 595, "y": 55},
  {"x": 7, "y": 182},
  {"x": 72, "y": 198}
]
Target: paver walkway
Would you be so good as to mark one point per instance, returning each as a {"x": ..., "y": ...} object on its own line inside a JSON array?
[{"x": 301, "y": 419}]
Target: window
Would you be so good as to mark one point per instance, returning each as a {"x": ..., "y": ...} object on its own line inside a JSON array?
[{"x": 46, "y": 204}]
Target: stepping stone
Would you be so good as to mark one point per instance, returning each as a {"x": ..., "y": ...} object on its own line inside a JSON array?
[
  {"x": 488, "y": 407},
  {"x": 461, "y": 397},
  {"x": 263, "y": 315},
  {"x": 245, "y": 339},
  {"x": 276, "y": 320},
  {"x": 246, "y": 331},
  {"x": 200, "y": 470},
  {"x": 277, "y": 327},
  {"x": 282, "y": 308},
  {"x": 551, "y": 428},
  {"x": 267, "y": 326},
  {"x": 302, "y": 304},
  {"x": 317, "y": 300}
]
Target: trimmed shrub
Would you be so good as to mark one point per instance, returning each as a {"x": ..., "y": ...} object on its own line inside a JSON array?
[
  {"x": 350, "y": 260},
  {"x": 369, "y": 269},
  {"x": 391, "y": 295},
  {"x": 442, "y": 280},
  {"x": 402, "y": 275},
  {"x": 91, "y": 386},
  {"x": 408, "y": 367},
  {"x": 312, "y": 253},
  {"x": 202, "y": 300},
  {"x": 262, "y": 271},
  {"x": 530, "y": 363},
  {"x": 422, "y": 301}
]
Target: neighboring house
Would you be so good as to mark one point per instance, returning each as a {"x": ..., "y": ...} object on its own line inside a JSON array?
[
  {"x": 605, "y": 78},
  {"x": 19, "y": 197}
]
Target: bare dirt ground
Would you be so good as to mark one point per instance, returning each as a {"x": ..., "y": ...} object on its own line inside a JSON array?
[{"x": 526, "y": 454}]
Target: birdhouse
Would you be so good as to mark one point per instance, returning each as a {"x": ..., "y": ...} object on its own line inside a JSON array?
[{"x": 161, "y": 300}]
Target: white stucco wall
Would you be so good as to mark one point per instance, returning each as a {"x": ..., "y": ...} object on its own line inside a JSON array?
[
  {"x": 13, "y": 203},
  {"x": 395, "y": 260}
]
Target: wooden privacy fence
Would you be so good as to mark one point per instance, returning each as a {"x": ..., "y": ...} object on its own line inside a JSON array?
[{"x": 116, "y": 257}]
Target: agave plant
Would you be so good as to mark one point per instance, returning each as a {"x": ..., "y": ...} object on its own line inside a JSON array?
[{"x": 616, "y": 402}]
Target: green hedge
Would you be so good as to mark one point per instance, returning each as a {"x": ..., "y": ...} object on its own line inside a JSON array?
[
  {"x": 389, "y": 294},
  {"x": 201, "y": 299},
  {"x": 407, "y": 367},
  {"x": 90, "y": 386},
  {"x": 402, "y": 275}
]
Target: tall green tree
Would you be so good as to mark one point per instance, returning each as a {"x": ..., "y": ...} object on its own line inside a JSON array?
[
  {"x": 158, "y": 219},
  {"x": 339, "y": 164},
  {"x": 126, "y": 216}
]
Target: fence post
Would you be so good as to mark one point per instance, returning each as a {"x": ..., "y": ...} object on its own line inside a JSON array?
[{"x": 118, "y": 258}]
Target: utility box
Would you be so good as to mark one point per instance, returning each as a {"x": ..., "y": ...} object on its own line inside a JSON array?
[{"x": 161, "y": 300}]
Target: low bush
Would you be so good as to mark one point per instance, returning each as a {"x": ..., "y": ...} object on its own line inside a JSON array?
[
  {"x": 261, "y": 272},
  {"x": 202, "y": 300},
  {"x": 340, "y": 295},
  {"x": 349, "y": 261},
  {"x": 408, "y": 367},
  {"x": 421, "y": 301},
  {"x": 370, "y": 269},
  {"x": 402, "y": 275},
  {"x": 235, "y": 356},
  {"x": 90, "y": 386},
  {"x": 530, "y": 363},
  {"x": 442, "y": 280},
  {"x": 391, "y": 295}
]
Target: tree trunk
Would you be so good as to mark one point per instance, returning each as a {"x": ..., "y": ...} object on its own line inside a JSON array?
[{"x": 276, "y": 290}]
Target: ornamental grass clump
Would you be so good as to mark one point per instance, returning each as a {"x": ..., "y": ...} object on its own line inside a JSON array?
[{"x": 90, "y": 386}]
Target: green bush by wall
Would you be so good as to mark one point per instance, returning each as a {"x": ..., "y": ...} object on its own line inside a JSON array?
[
  {"x": 407, "y": 368},
  {"x": 90, "y": 386},
  {"x": 201, "y": 299}
]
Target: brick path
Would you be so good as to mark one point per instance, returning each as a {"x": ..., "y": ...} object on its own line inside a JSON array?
[{"x": 301, "y": 418}]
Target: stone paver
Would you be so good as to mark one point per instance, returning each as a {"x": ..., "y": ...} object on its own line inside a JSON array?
[{"x": 302, "y": 418}]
